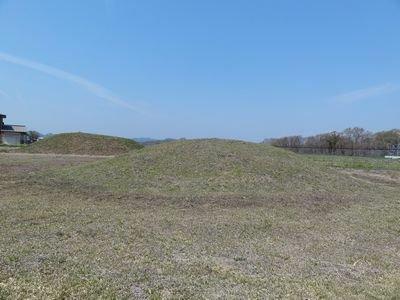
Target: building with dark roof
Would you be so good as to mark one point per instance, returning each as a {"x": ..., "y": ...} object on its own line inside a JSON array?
[{"x": 12, "y": 134}]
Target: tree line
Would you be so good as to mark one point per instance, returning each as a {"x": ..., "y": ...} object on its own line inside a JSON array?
[{"x": 351, "y": 138}]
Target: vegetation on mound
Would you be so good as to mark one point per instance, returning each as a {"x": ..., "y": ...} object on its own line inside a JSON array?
[
  {"x": 83, "y": 144},
  {"x": 205, "y": 167}
]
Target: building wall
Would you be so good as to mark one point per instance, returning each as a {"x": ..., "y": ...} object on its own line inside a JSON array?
[{"x": 12, "y": 139}]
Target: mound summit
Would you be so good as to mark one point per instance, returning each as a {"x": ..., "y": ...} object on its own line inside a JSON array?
[{"x": 83, "y": 144}]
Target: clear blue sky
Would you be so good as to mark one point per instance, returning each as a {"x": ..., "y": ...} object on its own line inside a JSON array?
[{"x": 178, "y": 68}]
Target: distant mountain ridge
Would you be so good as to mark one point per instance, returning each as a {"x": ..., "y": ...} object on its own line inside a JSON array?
[{"x": 145, "y": 141}]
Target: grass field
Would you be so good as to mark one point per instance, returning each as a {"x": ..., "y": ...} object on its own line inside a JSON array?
[
  {"x": 199, "y": 219},
  {"x": 351, "y": 162},
  {"x": 6, "y": 149}
]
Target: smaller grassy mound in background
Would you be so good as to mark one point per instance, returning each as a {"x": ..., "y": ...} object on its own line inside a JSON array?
[{"x": 83, "y": 144}]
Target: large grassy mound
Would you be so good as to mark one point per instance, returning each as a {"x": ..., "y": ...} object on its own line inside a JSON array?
[
  {"x": 204, "y": 167},
  {"x": 84, "y": 144}
]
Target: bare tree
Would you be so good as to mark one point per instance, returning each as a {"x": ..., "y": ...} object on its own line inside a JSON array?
[
  {"x": 385, "y": 139},
  {"x": 358, "y": 137}
]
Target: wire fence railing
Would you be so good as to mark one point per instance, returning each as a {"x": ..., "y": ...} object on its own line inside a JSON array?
[{"x": 366, "y": 152}]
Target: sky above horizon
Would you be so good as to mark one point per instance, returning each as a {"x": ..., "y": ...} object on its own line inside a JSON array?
[{"x": 230, "y": 69}]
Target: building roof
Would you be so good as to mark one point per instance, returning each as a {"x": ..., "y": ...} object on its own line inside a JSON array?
[{"x": 14, "y": 128}]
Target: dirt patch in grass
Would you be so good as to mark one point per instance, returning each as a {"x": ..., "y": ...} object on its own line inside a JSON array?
[{"x": 376, "y": 176}]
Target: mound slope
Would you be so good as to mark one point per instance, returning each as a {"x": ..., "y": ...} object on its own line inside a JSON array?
[
  {"x": 204, "y": 167},
  {"x": 83, "y": 144}
]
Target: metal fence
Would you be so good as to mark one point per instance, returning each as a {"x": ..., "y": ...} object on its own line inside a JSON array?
[{"x": 393, "y": 151}]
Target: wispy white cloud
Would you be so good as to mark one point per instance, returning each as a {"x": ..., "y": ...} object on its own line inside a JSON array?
[
  {"x": 92, "y": 87},
  {"x": 370, "y": 92}
]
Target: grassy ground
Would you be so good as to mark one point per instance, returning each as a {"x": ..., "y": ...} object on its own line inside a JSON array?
[
  {"x": 351, "y": 162},
  {"x": 83, "y": 238},
  {"x": 6, "y": 148},
  {"x": 82, "y": 143}
]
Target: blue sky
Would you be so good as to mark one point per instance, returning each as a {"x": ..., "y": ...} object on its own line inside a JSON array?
[{"x": 233, "y": 69}]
